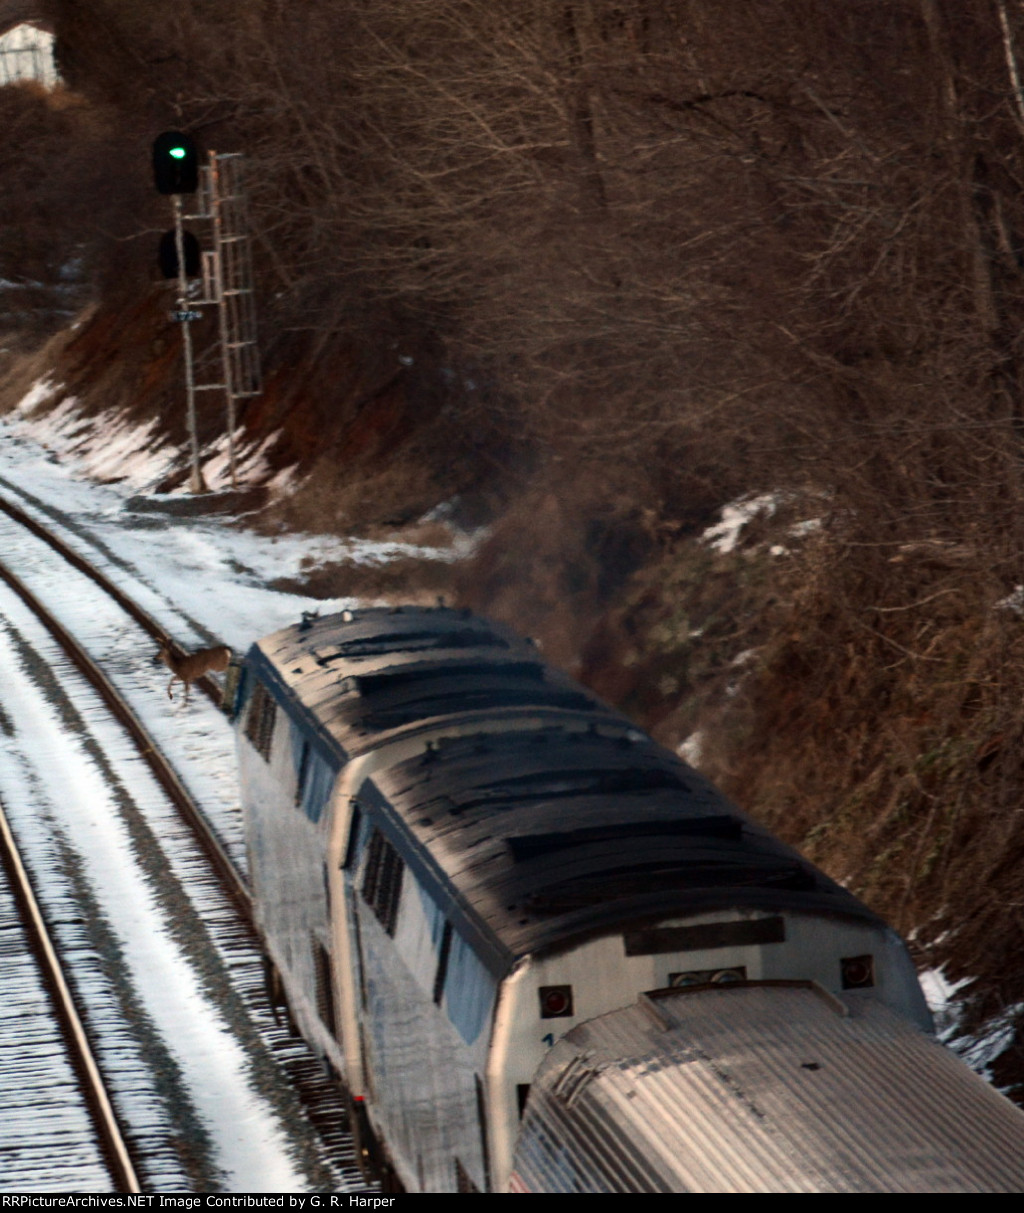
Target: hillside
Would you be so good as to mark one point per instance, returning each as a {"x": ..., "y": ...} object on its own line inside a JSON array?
[{"x": 585, "y": 273}]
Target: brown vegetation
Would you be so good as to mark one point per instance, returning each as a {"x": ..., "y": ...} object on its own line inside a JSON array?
[{"x": 601, "y": 267}]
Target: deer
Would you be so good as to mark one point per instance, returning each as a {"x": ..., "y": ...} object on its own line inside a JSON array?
[{"x": 192, "y": 665}]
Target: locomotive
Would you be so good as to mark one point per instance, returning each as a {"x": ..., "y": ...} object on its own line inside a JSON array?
[{"x": 541, "y": 952}]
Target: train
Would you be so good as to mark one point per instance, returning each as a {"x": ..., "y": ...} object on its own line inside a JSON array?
[{"x": 540, "y": 952}]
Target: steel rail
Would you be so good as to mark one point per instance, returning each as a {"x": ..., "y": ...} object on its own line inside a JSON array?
[
  {"x": 315, "y": 1087},
  {"x": 97, "y": 1100},
  {"x": 162, "y": 770},
  {"x": 209, "y": 686}
]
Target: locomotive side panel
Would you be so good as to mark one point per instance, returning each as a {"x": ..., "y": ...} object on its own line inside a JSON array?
[
  {"x": 286, "y": 788},
  {"x": 425, "y": 1008}
]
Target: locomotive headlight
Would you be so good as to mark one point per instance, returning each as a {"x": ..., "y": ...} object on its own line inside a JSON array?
[
  {"x": 704, "y": 977},
  {"x": 686, "y": 979},
  {"x": 555, "y": 1002}
]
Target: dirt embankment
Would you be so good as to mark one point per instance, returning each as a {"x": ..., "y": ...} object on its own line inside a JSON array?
[{"x": 586, "y": 275}]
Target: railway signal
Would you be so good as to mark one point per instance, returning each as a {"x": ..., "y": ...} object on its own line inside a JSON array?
[
  {"x": 226, "y": 271},
  {"x": 175, "y": 163},
  {"x": 168, "y": 255}
]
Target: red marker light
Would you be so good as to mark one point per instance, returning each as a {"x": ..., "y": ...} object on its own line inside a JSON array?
[{"x": 555, "y": 1002}]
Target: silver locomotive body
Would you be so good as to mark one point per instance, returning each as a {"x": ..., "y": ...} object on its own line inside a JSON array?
[{"x": 459, "y": 856}]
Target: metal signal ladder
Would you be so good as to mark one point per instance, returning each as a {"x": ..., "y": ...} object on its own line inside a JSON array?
[{"x": 227, "y": 283}]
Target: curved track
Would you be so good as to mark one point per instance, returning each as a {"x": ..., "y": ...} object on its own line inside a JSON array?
[
  {"x": 119, "y": 708},
  {"x": 146, "y": 621},
  {"x": 233, "y": 931},
  {"x": 44, "y": 1092}
]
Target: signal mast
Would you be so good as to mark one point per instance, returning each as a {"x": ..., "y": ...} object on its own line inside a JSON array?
[{"x": 226, "y": 272}]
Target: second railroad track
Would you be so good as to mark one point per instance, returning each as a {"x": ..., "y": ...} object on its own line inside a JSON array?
[{"x": 196, "y": 868}]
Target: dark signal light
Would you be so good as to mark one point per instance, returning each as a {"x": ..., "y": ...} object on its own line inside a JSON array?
[
  {"x": 168, "y": 255},
  {"x": 175, "y": 163}
]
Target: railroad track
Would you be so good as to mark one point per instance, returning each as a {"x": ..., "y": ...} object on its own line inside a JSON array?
[
  {"x": 162, "y": 769},
  {"x": 215, "y": 901},
  {"x": 62, "y": 1080},
  {"x": 209, "y": 686}
]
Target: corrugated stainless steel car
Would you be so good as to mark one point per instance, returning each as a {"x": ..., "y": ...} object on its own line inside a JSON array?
[{"x": 468, "y": 870}]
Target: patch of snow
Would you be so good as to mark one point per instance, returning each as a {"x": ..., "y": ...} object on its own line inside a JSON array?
[
  {"x": 979, "y": 1052},
  {"x": 1013, "y": 602},
  {"x": 126, "y": 452},
  {"x": 122, "y": 450},
  {"x": 940, "y": 994},
  {"x": 41, "y": 390},
  {"x": 251, "y": 463},
  {"x": 131, "y": 453},
  {"x": 441, "y": 512},
  {"x": 724, "y": 535},
  {"x": 284, "y": 481},
  {"x": 691, "y": 749},
  {"x": 806, "y": 527}
]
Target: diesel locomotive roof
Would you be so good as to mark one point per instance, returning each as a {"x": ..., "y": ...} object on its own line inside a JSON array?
[
  {"x": 527, "y": 838},
  {"x": 546, "y": 837},
  {"x": 359, "y": 674}
]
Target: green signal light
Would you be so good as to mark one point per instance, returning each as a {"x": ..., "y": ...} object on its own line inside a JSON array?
[{"x": 175, "y": 162}]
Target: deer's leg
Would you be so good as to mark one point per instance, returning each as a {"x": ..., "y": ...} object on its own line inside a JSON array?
[{"x": 169, "y": 685}]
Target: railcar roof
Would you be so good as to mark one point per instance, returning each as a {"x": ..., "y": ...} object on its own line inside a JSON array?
[
  {"x": 771, "y": 1087},
  {"x": 360, "y": 674},
  {"x": 550, "y": 836},
  {"x": 532, "y": 837}
]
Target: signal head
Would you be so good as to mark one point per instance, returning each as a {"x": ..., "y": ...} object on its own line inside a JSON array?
[
  {"x": 167, "y": 256},
  {"x": 175, "y": 163}
]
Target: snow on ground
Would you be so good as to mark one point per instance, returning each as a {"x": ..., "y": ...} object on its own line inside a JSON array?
[
  {"x": 204, "y": 578},
  {"x": 215, "y": 572},
  {"x": 128, "y": 452},
  {"x": 691, "y": 748},
  {"x": 51, "y": 782},
  {"x": 724, "y": 535},
  {"x": 947, "y": 1011}
]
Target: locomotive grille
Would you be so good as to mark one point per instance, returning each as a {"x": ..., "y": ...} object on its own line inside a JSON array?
[
  {"x": 324, "y": 987},
  {"x": 382, "y": 881},
  {"x": 259, "y": 723}
]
